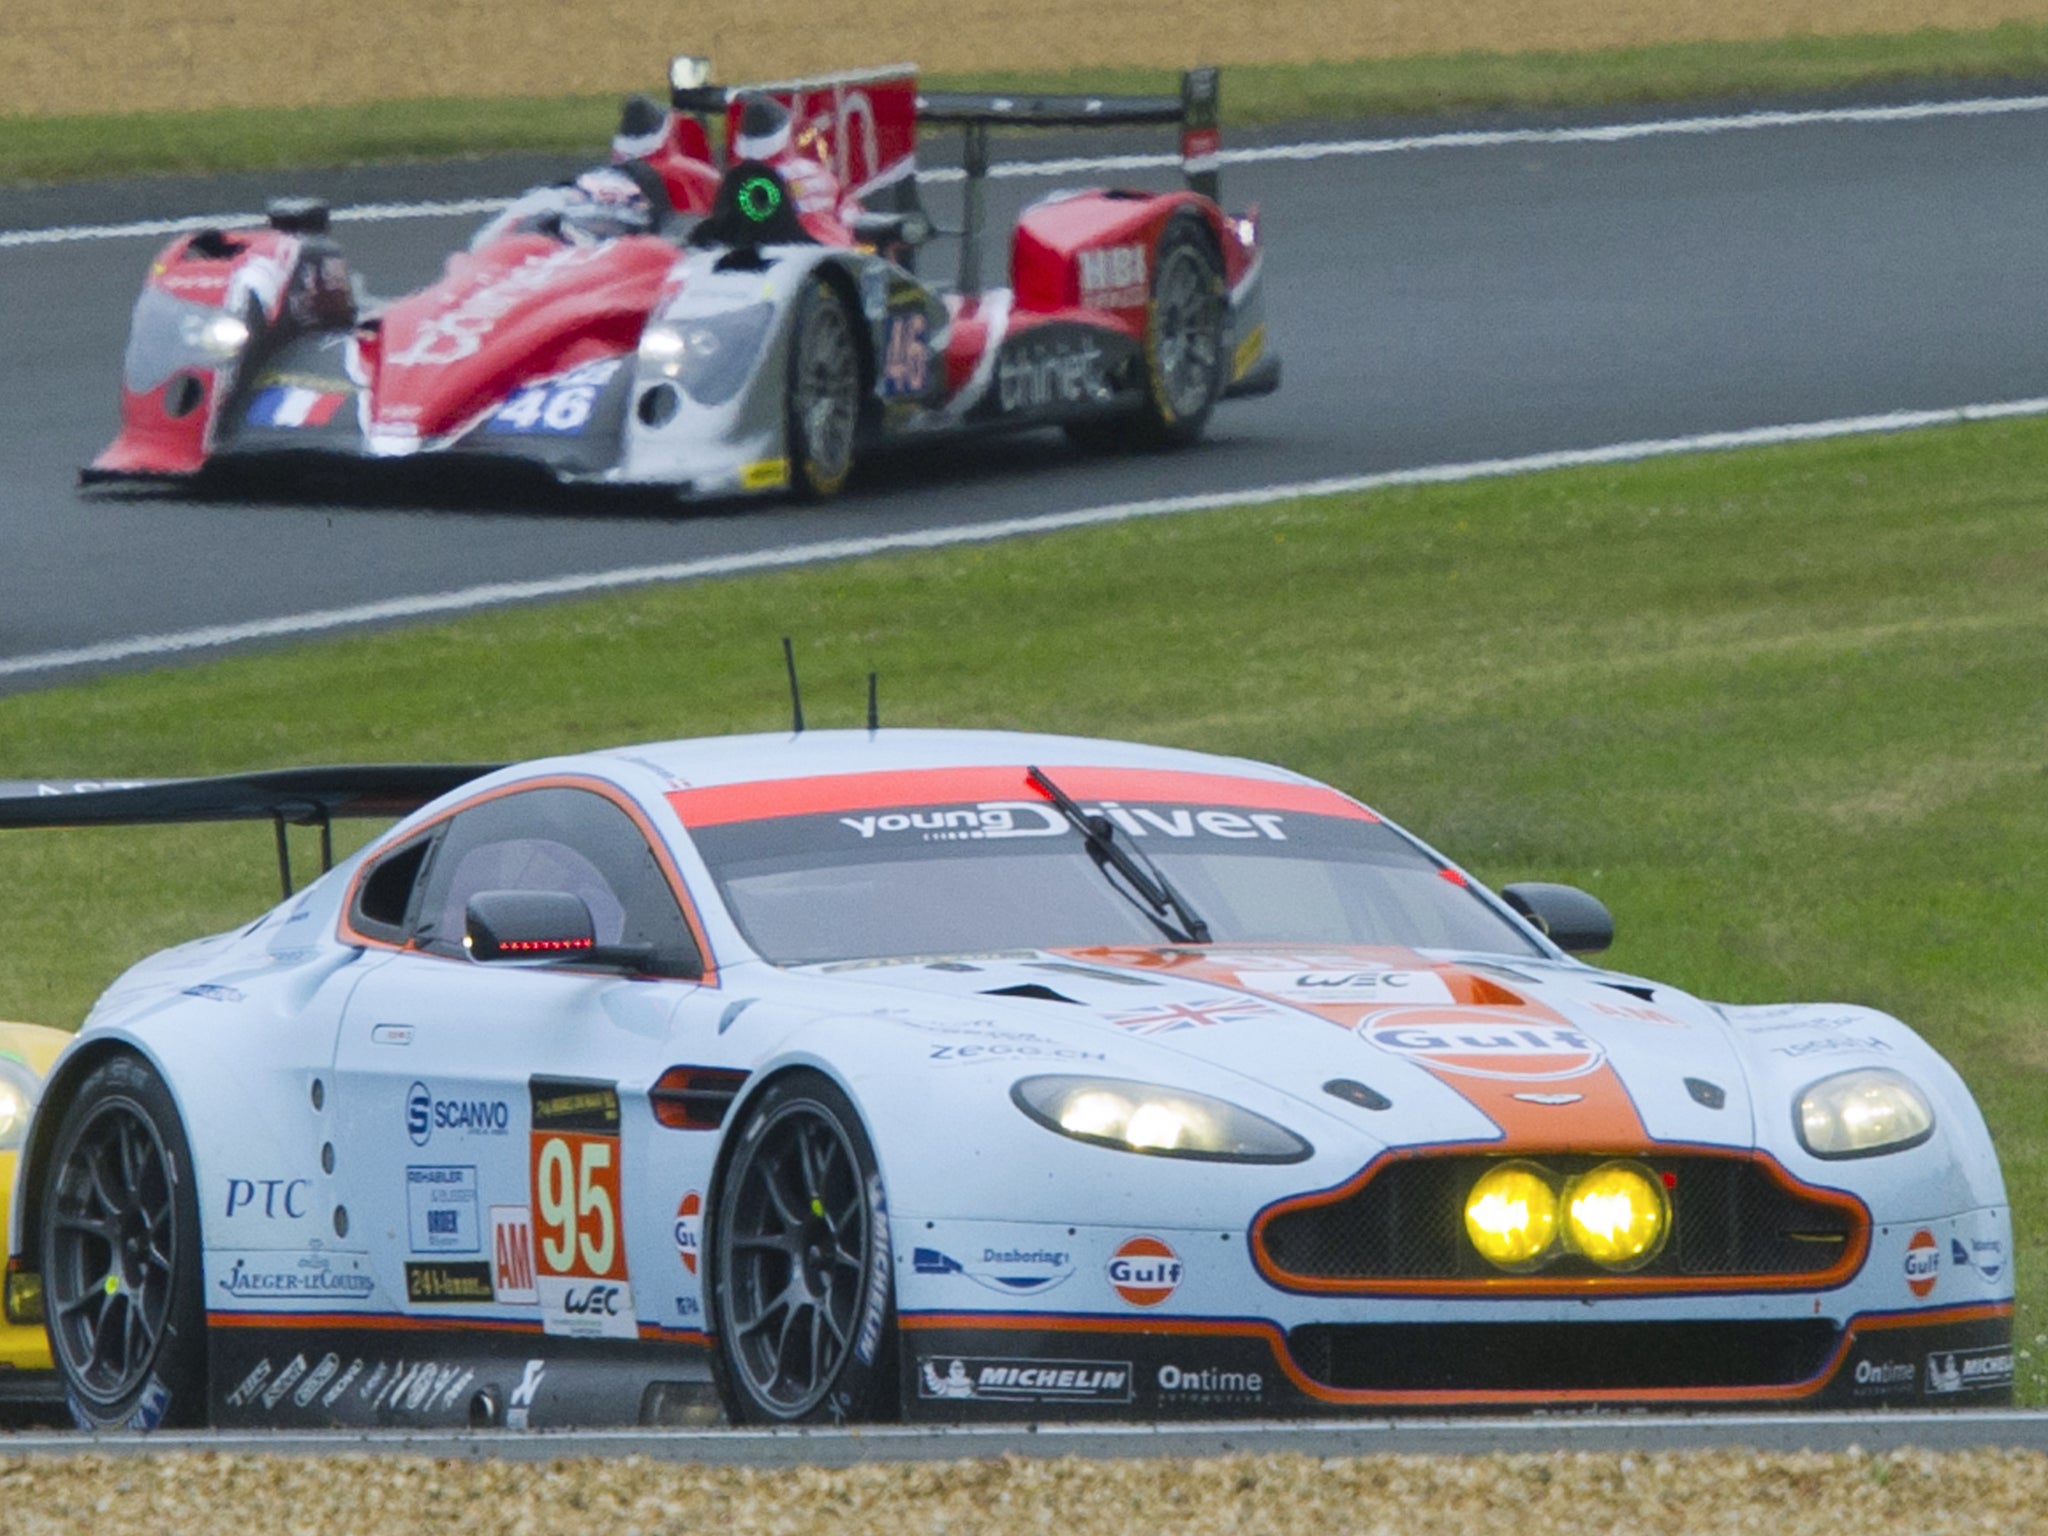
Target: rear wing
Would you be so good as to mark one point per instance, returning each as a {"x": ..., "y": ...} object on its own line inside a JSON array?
[
  {"x": 1196, "y": 110},
  {"x": 284, "y": 797},
  {"x": 867, "y": 122}
]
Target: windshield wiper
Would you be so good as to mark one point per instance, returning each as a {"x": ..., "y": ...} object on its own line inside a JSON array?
[{"x": 1130, "y": 861}]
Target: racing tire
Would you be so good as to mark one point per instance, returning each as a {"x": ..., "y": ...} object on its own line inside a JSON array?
[
  {"x": 824, "y": 393},
  {"x": 802, "y": 1284},
  {"x": 1183, "y": 351},
  {"x": 120, "y": 1249}
]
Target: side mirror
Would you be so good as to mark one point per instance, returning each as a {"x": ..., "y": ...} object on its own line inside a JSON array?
[
  {"x": 1572, "y": 920},
  {"x": 542, "y": 925},
  {"x": 688, "y": 72}
]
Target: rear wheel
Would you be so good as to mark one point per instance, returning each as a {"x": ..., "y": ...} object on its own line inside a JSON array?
[
  {"x": 801, "y": 1274},
  {"x": 824, "y": 393},
  {"x": 1184, "y": 324},
  {"x": 1184, "y": 333},
  {"x": 120, "y": 1255}
]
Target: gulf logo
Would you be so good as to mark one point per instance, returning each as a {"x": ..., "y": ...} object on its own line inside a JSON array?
[
  {"x": 1923, "y": 1263},
  {"x": 690, "y": 1229},
  {"x": 1144, "y": 1271},
  {"x": 1475, "y": 1044}
]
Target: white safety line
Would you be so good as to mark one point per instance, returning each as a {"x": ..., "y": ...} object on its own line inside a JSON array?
[
  {"x": 499, "y": 594},
  {"x": 1605, "y": 133}
]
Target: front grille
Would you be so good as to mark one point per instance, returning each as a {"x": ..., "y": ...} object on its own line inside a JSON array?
[
  {"x": 1562, "y": 1357},
  {"x": 1730, "y": 1217}
]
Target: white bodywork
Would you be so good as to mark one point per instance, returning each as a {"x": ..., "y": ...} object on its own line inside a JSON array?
[{"x": 354, "y": 1109}]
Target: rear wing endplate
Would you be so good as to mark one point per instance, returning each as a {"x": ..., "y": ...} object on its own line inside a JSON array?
[{"x": 284, "y": 797}]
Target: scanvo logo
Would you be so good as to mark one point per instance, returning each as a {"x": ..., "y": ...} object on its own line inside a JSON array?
[
  {"x": 1923, "y": 1263},
  {"x": 1145, "y": 1271},
  {"x": 1482, "y": 1045},
  {"x": 425, "y": 1114}
]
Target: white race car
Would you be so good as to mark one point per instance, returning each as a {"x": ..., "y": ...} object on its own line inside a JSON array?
[{"x": 955, "y": 1075}]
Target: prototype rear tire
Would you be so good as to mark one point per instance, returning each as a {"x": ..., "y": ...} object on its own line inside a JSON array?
[
  {"x": 120, "y": 1255},
  {"x": 1183, "y": 353},
  {"x": 802, "y": 1288},
  {"x": 824, "y": 393}
]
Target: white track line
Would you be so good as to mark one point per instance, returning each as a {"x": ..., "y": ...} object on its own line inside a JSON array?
[
  {"x": 1608, "y": 133},
  {"x": 470, "y": 599}
]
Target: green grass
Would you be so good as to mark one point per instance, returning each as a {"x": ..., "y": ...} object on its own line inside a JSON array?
[
  {"x": 35, "y": 149},
  {"x": 1784, "y": 710}
]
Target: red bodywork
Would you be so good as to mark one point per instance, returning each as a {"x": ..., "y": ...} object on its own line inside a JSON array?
[{"x": 524, "y": 307}]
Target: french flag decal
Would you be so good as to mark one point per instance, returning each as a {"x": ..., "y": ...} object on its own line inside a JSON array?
[{"x": 290, "y": 406}]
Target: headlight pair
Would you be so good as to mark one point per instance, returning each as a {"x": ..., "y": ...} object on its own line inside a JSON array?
[
  {"x": 1160, "y": 1121},
  {"x": 710, "y": 355},
  {"x": 1520, "y": 1216}
]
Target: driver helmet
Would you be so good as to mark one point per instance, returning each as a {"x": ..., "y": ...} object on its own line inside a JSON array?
[{"x": 603, "y": 205}]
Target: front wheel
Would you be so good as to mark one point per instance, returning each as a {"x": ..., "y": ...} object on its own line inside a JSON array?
[
  {"x": 801, "y": 1269},
  {"x": 824, "y": 393},
  {"x": 120, "y": 1255}
]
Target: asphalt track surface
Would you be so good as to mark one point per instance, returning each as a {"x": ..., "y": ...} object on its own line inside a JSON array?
[{"x": 1505, "y": 294}]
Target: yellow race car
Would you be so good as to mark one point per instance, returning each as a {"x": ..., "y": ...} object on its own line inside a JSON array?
[{"x": 26, "y": 1052}]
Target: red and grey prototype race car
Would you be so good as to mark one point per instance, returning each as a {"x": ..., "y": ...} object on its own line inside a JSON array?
[{"x": 718, "y": 324}]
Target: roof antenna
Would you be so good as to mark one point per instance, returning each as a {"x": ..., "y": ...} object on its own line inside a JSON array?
[
  {"x": 796, "y": 698},
  {"x": 874, "y": 713}
]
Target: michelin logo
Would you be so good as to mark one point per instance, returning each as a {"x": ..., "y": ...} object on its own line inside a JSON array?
[
  {"x": 1030, "y": 1381},
  {"x": 1954, "y": 1371}
]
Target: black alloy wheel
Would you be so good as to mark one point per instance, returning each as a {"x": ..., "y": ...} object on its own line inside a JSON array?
[
  {"x": 120, "y": 1255},
  {"x": 802, "y": 1288},
  {"x": 824, "y": 393},
  {"x": 1183, "y": 353},
  {"x": 1184, "y": 334}
]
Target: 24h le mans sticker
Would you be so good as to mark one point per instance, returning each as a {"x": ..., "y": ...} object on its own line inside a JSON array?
[{"x": 1474, "y": 1044}]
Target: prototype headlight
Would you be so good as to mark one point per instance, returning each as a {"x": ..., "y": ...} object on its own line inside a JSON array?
[
  {"x": 168, "y": 333},
  {"x": 709, "y": 355},
  {"x": 1165, "y": 1122},
  {"x": 219, "y": 336},
  {"x": 17, "y": 1102},
  {"x": 1864, "y": 1112}
]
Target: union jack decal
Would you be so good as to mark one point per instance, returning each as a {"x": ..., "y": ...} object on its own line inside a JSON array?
[{"x": 1169, "y": 1017}]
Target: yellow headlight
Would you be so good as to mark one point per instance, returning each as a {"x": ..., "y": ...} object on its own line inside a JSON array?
[
  {"x": 1511, "y": 1216},
  {"x": 1617, "y": 1215}
]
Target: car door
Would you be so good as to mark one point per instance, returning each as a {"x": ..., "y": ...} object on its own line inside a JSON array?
[{"x": 479, "y": 1104}]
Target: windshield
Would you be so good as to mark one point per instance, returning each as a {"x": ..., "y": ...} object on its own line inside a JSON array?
[{"x": 930, "y": 862}]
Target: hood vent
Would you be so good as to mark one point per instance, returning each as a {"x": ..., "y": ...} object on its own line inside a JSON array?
[
  {"x": 1034, "y": 990},
  {"x": 1712, "y": 1095},
  {"x": 1353, "y": 1092},
  {"x": 1645, "y": 994}
]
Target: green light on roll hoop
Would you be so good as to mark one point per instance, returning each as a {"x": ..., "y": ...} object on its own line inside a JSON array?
[{"x": 758, "y": 198}]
